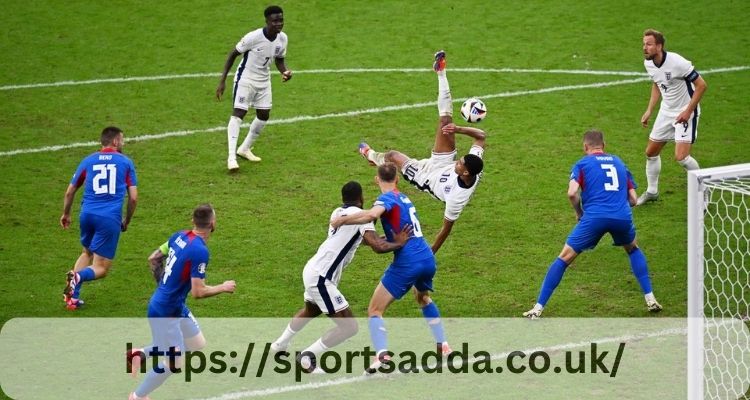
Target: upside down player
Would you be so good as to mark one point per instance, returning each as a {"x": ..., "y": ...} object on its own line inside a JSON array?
[{"x": 449, "y": 180}]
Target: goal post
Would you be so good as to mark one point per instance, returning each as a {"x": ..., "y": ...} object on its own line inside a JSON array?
[{"x": 718, "y": 278}]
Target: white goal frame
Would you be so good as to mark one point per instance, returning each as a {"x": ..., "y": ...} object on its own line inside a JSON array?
[{"x": 695, "y": 272}]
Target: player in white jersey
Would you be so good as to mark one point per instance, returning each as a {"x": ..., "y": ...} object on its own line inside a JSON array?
[
  {"x": 681, "y": 88},
  {"x": 322, "y": 274},
  {"x": 447, "y": 179},
  {"x": 252, "y": 82}
]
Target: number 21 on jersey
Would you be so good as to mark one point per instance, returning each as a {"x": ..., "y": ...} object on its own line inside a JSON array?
[{"x": 105, "y": 178}]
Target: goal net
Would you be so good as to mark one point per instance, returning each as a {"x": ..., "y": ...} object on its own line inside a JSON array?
[{"x": 719, "y": 282}]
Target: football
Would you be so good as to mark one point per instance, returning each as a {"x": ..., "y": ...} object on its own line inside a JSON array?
[{"x": 473, "y": 110}]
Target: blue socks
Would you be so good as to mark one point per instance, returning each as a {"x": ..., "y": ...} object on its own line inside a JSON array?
[
  {"x": 640, "y": 269},
  {"x": 432, "y": 315},
  {"x": 378, "y": 334},
  {"x": 551, "y": 280},
  {"x": 85, "y": 275},
  {"x": 153, "y": 380}
]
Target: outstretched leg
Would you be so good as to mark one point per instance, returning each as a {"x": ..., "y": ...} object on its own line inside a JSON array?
[
  {"x": 639, "y": 266},
  {"x": 444, "y": 143}
]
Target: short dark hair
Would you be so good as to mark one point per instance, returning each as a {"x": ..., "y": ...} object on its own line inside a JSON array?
[
  {"x": 270, "y": 10},
  {"x": 658, "y": 36},
  {"x": 594, "y": 138},
  {"x": 109, "y": 134},
  {"x": 351, "y": 192},
  {"x": 203, "y": 215},
  {"x": 473, "y": 163},
  {"x": 387, "y": 172}
]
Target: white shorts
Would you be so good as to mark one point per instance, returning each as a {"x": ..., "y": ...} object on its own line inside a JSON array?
[
  {"x": 665, "y": 129},
  {"x": 247, "y": 95},
  {"x": 324, "y": 294},
  {"x": 424, "y": 173}
]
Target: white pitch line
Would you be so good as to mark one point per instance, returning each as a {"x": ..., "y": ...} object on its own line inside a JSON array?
[
  {"x": 302, "y": 118},
  {"x": 321, "y": 71},
  {"x": 494, "y": 357}
]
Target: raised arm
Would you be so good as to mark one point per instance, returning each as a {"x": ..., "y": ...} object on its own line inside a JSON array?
[
  {"x": 445, "y": 230},
  {"x": 380, "y": 245},
  {"x": 361, "y": 217},
  {"x": 286, "y": 73},
  {"x": 227, "y": 66},
  {"x": 475, "y": 133},
  {"x": 575, "y": 198}
]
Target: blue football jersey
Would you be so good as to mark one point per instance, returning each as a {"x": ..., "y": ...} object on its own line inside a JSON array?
[
  {"x": 604, "y": 181},
  {"x": 187, "y": 258},
  {"x": 399, "y": 211},
  {"x": 105, "y": 176}
]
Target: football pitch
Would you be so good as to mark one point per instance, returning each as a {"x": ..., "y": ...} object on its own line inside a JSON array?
[{"x": 546, "y": 71}]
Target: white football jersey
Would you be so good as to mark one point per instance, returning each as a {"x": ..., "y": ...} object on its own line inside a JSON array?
[
  {"x": 674, "y": 77},
  {"x": 337, "y": 251},
  {"x": 448, "y": 189},
  {"x": 258, "y": 55}
]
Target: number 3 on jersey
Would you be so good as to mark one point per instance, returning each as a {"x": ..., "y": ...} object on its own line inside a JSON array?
[
  {"x": 612, "y": 173},
  {"x": 106, "y": 173}
]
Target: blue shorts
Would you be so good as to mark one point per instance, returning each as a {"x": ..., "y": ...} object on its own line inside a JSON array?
[
  {"x": 100, "y": 234},
  {"x": 399, "y": 278},
  {"x": 587, "y": 233},
  {"x": 170, "y": 327}
]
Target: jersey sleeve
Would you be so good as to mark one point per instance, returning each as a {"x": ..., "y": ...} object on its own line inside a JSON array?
[
  {"x": 385, "y": 201},
  {"x": 477, "y": 151},
  {"x": 686, "y": 70},
  {"x": 366, "y": 227},
  {"x": 631, "y": 181},
  {"x": 80, "y": 175},
  {"x": 199, "y": 263},
  {"x": 576, "y": 174},
  {"x": 453, "y": 209},
  {"x": 130, "y": 177},
  {"x": 246, "y": 43},
  {"x": 282, "y": 51}
]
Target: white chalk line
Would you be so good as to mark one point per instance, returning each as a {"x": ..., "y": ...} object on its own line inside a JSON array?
[
  {"x": 630, "y": 338},
  {"x": 340, "y": 71},
  {"x": 353, "y": 113},
  {"x": 319, "y": 71}
]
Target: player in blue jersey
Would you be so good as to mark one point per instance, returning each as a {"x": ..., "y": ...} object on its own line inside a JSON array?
[
  {"x": 185, "y": 258},
  {"x": 413, "y": 265},
  {"x": 106, "y": 176},
  {"x": 607, "y": 191}
]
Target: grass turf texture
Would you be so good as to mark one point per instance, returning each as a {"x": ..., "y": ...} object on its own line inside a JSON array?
[{"x": 273, "y": 215}]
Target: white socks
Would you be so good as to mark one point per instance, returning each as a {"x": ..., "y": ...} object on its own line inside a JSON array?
[
  {"x": 689, "y": 163},
  {"x": 316, "y": 348},
  {"x": 286, "y": 336},
  {"x": 445, "y": 101},
  {"x": 377, "y": 158},
  {"x": 233, "y": 133},
  {"x": 252, "y": 134},
  {"x": 650, "y": 297},
  {"x": 653, "y": 168}
]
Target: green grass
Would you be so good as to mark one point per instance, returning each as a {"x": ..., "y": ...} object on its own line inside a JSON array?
[{"x": 273, "y": 215}]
